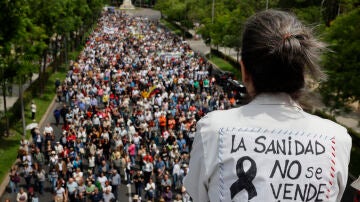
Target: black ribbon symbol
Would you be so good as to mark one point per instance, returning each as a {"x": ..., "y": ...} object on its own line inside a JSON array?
[{"x": 245, "y": 178}]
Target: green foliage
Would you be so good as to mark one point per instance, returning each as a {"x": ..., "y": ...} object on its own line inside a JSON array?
[
  {"x": 226, "y": 66},
  {"x": 8, "y": 153},
  {"x": 28, "y": 30},
  {"x": 226, "y": 62},
  {"x": 309, "y": 14},
  {"x": 175, "y": 10},
  {"x": 343, "y": 63},
  {"x": 224, "y": 28},
  {"x": 10, "y": 19},
  {"x": 9, "y": 145},
  {"x": 221, "y": 24}
]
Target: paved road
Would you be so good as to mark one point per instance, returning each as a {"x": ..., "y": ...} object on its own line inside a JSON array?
[{"x": 125, "y": 191}]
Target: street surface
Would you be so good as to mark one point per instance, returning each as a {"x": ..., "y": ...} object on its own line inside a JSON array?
[{"x": 126, "y": 192}]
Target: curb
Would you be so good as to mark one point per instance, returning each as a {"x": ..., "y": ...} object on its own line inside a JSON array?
[{"x": 6, "y": 180}]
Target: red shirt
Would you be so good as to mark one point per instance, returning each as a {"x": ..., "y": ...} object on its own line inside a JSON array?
[
  {"x": 71, "y": 137},
  {"x": 148, "y": 158}
]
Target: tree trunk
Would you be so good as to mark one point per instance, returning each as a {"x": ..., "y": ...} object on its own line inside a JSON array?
[
  {"x": 71, "y": 42},
  {"x": 22, "y": 107},
  {"x": 5, "y": 109},
  {"x": 55, "y": 56},
  {"x": 66, "y": 49},
  {"x": 41, "y": 73}
]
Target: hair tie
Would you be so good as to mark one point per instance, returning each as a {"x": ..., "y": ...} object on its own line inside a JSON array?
[{"x": 286, "y": 36}]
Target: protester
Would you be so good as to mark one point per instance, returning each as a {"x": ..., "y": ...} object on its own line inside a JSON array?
[
  {"x": 21, "y": 196},
  {"x": 115, "y": 183},
  {"x": 128, "y": 105},
  {"x": 253, "y": 153},
  {"x": 57, "y": 116},
  {"x": 71, "y": 189},
  {"x": 138, "y": 179},
  {"x": 33, "y": 110},
  {"x": 150, "y": 189},
  {"x": 108, "y": 196},
  {"x": 40, "y": 178},
  {"x": 14, "y": 180}
]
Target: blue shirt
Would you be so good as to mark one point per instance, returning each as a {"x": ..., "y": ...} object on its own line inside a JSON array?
[
  {"x": 159, "y": 164},
  {"x": 71, "y": 187}
]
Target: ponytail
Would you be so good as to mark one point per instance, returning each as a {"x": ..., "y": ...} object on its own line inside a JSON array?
[{"x": 278, "y": 50}]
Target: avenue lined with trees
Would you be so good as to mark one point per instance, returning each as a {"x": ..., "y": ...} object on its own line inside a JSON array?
[{"x": 35, "y": 33}]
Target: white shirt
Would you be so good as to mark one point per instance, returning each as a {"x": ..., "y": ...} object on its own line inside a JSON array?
[
  {"x": 21, "y": 197},
  {"x": 107, "y": 188},
  {"x": 176, "y": 169},
  {"x": 60, "y": 192},
  {"x": 48, "y": 129},
  {"x": 268, "y": 150},
  {"x": 82, "y": 135},
  {"x": 33, "y": 108},
  {"x": 91, "y": 161},
  {"x": 58, "y": 148},
  {"x": 150, "y": 186},
  {"x": 102, "y": 180},
  {"x": 54, "y": 159},
  {"x": 136, "y": 139},
  {"x": 78, "y": 176}
]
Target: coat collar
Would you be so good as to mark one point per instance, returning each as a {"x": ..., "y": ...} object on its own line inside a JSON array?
[{"x": 281, "y": 99}]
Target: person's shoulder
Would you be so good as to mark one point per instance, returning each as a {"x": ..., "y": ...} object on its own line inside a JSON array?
[
  {"x": 222, "y": 115},
  {"x": 326, "y": 126},
  {"x": 325, "y": 122}
]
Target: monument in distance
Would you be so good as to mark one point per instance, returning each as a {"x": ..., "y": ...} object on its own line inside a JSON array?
[{"x": 127, "y": 5}]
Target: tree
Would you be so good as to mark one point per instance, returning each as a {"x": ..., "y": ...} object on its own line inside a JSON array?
[
  {"x": 234, "y": 29},
  {"x": 10, "y": 20},
  {"x": 226, "y": 27},
  {"x": 82, "y": 22},
  {"x": 45, "y": 14},
  {"x": 343, "y": 62},
  {"x": 26, "y": 33}
]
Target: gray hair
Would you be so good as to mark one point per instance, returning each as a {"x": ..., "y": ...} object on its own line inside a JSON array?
[{"x": 277, "y": 50}]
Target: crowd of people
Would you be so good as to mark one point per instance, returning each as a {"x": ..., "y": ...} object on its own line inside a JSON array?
[{"x": 129, "y": 107}]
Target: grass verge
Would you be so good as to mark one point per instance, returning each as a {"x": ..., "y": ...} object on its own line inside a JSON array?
[
  {"x": 8, "y": 151},
  {"x": 9, "y": 145},
  {"x": 225, "y": 66},
  {"x": 170, "y": 26}
]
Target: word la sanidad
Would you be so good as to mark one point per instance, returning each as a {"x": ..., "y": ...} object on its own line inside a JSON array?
[{"x": 285, "y": 146}]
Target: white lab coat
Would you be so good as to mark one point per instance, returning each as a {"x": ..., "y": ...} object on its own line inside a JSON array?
[{"x": 268, "y": 150}]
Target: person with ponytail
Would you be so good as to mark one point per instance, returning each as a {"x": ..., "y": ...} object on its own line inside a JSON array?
[{"x": 271, "y": 149}]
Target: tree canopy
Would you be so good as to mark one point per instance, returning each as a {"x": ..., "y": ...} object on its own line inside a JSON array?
[
  {"x": 27, "y": 31},
  {"x": 343, "y": 62}
]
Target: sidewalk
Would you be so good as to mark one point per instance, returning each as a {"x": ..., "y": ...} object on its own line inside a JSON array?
[
  {"x": 196, "y": 45},
  {"x": 10, "y": 100}
]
